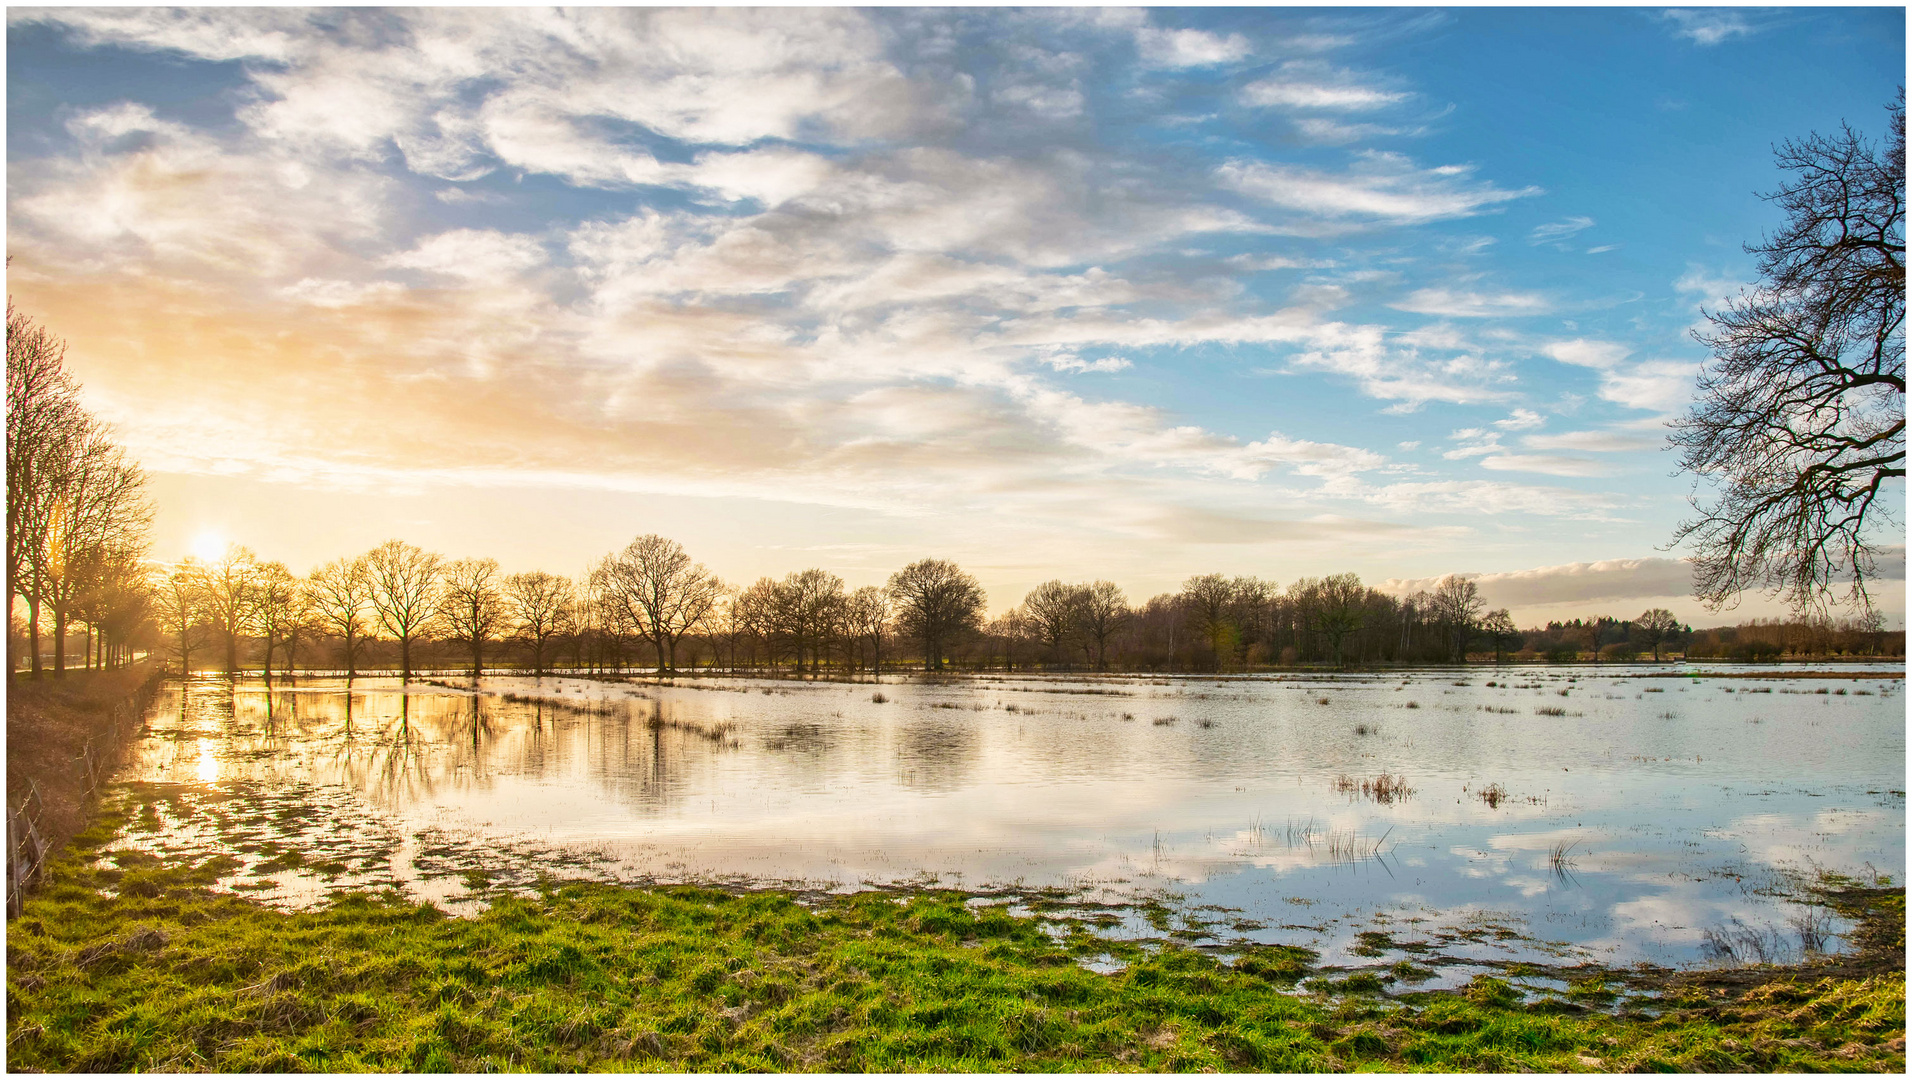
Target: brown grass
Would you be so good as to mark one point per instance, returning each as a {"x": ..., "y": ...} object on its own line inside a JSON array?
[{"x": 48, "y": 723}]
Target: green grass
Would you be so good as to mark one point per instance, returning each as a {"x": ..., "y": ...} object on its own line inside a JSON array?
[{"x": 167, "y": 975}]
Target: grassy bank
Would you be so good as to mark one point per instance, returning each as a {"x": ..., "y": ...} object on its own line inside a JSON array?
[
  {"x": 49, "y": 721},
  {"x": 138, "y": 966}
]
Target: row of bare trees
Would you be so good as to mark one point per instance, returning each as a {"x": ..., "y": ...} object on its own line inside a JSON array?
[
  {"x": 651, "y": 593},
  {"x": 649, "y": 602},
  {"x": 78, "y": 521}
]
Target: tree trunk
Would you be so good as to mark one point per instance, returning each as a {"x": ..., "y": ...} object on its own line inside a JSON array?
[
  {"x": 59, "y": 642},
  {"x": 33, "y": 632}
]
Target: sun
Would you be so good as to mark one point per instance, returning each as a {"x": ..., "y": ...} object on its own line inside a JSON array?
[{"x": 209, "y": 545}]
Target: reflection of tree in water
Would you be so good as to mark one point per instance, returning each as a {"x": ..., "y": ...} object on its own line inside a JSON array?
[
  {"x": 398, "y": 749},
  {"x": 933, "y": 756}
]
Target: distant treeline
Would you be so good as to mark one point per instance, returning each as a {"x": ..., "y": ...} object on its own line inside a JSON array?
[{"x": 650, "y": 606}]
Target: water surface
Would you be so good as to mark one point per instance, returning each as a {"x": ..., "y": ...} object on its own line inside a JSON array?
[{"x": 1613, "y": 814}]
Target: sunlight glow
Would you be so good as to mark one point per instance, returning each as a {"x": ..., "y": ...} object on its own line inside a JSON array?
[
  {"x": 208, "y": 546},
  {"x": 208, "y": 764}
]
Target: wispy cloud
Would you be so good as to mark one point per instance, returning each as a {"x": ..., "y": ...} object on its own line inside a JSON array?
[
  {"x": 1380, "y": 187},
  {"x": 1556, "y": 231},
  {"x": 1709, "y": 26},
  {"x": 1454, "y": 303},
  {"x": 1547, "y": 464},
  {"x": 1302, "y": 84}
]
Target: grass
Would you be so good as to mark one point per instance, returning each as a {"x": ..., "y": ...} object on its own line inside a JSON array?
[
  {"x": 139, "y": 967},
  {"x": 1385, "y": 788}
]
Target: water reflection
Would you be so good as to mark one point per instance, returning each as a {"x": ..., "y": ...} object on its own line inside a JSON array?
[{"x": 1625, "y": 826}]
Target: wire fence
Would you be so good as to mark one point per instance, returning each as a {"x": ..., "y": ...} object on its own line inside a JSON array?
[{"x": 27, "y": 846}]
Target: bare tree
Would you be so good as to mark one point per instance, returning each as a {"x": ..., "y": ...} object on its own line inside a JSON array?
[
  {"x": 341, "y": 590},
  {"x": 1801, "y": 413},
  {"x": 43, "y": 417},
  {"x": 936, "y": 601},
  {"x": 182, "y": 607},
  {"x": 868, "y": 615},
  {"x": 654, "y": 588},
  {"x": 1456, "y": 605},
  {"x": 537, "y": 602},
  {"x": 1655, "y": 626},
  {"x": 231, "y": 592},
  {"x": 277, "y": 609},
  {"x": 404, "y": 593},
  {"x": 96, "y": 518},
  {"x": 1499, "y": 626},
  {"x": 1340, "y": 609},
  {"x": 471, "y": 607},
  {"x": 1210, "y": 601},
  {"x": 807, "y": 609},
  {"x": 1101, "y": 613},
  {"x": 1049, "y": 613}
]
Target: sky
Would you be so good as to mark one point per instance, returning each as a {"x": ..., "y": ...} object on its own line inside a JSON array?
[{"x": 1116, "y": 293}]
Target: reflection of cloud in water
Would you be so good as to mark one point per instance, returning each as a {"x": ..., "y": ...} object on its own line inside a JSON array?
[{"x": 816, "y": 782}]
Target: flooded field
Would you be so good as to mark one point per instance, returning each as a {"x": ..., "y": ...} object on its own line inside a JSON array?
[{"x": 1553, "y": 814}]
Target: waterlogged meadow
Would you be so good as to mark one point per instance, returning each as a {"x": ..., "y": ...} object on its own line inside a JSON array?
[{"x": 1560, "y": 815}]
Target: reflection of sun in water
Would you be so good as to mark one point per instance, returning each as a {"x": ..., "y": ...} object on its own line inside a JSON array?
[
  {"x": 208, "y": 546},
  {"x": 208, "y": 765}
]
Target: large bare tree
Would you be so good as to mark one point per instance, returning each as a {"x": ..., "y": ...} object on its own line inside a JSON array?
[
  {"x": 230, "y": 595},
  {"x": 537, "y": 603},
  {"x": 1101, "y": 613},
  {"x": 1210, "y": 602},
  {"x": 1340, "y": 609},
  {"x": 936, "y": 601},
  {"x": 806, "y": 611},
  {"x": 472, "y": 607},
  {"x": 182, "y": 609},
  {"x": 1050, "y": 614},
  {"x": 654, "y": 589},
  {"x": 1801, "y": 412},
  {"x": 1456, "y": 605},
  {"x": 43, "y": 417},
  {"x": 280, "y": 609},
  {"x": 1655, "y": 626},
  {"x": 341, "y": 592},
  {"x": 867, "y": 613},
  {"x": 404, "y": 579}
]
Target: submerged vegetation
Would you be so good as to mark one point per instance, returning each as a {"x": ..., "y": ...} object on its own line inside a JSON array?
[{"x": 125, "y": 964}]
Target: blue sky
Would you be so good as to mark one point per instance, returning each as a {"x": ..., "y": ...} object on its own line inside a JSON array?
[{"x": 1058, "y": 292}]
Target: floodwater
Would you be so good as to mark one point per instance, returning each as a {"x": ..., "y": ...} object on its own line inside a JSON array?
[{"x": 1613, "y": 814}]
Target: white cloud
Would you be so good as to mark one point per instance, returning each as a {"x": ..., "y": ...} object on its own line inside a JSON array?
[
  {"x": 1070, "y": 362},
  {"x": 1610, "y": 579},
  {"x": 1189, "y": 48},
  {"x": 1380, "y": 187},
  {"x": 1662, "y": 386},
  {"x": 1474, "y": 442},
  {"x": 478, "y": 255},
  {"x": 1521, "y": 420},
  {"x": 1556, "y": 231},
  {"x": 1305, "y": 95},
  {"x": 1597, "y": 442},
  {"x": 1583, "y": 353},
  {"x": 1548, "y": 464},
  {"x": 1709, "y": 26},
  {"x": 216, "y": 34},
  {"x": 1454, "y": 303}
]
